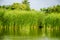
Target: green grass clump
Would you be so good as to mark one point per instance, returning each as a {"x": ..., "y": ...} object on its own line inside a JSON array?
[
  {"x": 52, "y": 19},
  {"x": 24, "y": 22},
  {"x": 16, "y": 21}
]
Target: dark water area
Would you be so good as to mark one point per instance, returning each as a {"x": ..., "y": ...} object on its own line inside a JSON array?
[{"x": 40, "y": 34}]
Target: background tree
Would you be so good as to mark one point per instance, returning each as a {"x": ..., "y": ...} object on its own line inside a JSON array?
[
  {"x": 15, "y": 6},
  {"x": 51, "y": 9},
  {"x": 27, "y": 4}
]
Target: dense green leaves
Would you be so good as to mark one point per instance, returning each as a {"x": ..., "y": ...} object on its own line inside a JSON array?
[
  {"x": 29, "y": 17},
  {"x": 14, "y": 20},
  {"x": 17, "y": 6},
  {"x": 55, "y": 9}
]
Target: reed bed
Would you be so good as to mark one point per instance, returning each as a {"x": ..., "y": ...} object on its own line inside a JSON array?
[{"x": 24, "y": 22}]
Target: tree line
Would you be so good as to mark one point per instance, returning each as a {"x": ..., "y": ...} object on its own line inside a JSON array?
[
  {"x": 55, "y": 8},
  {"x": 21, "y": 6},
  {"x": 25, "y": 5}
]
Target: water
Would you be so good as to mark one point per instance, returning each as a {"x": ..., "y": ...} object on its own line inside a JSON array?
[
  {"x": 40, "y": 34},
  {"x": 28, "y": 38}
]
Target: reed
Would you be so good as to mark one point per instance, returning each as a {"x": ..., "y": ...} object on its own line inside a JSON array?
[{"x": 19, "y": 22}]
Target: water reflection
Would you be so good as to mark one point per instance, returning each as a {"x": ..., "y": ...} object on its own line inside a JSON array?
[
  {"x": 28, "y": 38},
  {"x": 39, "y": 34}
]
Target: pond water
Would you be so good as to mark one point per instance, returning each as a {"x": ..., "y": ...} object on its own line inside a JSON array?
[
  {"x": 35, "y": 35},
  {"x": 28, "y": 38}
]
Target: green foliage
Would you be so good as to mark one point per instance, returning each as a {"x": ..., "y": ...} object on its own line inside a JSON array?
[
  {"x": 16, "y": 20},
  {"x": 52, "y": 9},
  {"x": 19, "y": 21},
  {"x": 17, "y": 6},
  {"x": 52, "y": 20},
  {"x": 27, "y": 4}
]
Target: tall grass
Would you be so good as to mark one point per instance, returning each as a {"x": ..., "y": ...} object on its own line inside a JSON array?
[{"x": 24, "y": 22}]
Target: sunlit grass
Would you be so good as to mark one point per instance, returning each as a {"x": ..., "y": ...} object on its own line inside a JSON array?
[{"x": 24, "y": 22}]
